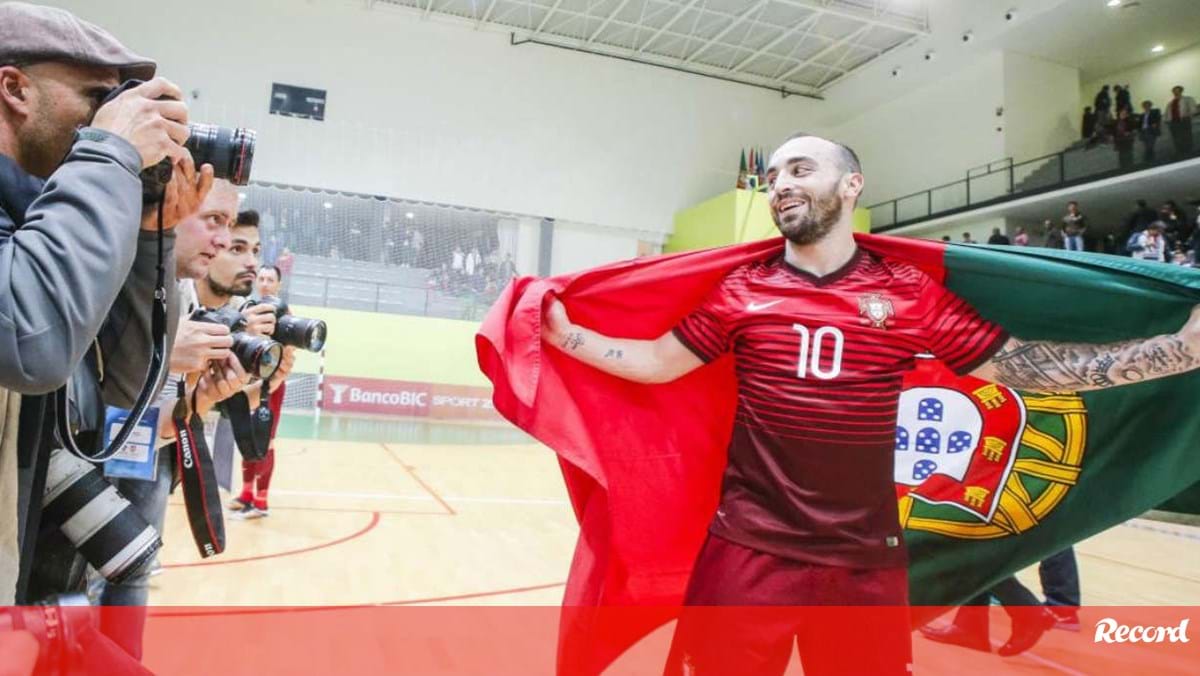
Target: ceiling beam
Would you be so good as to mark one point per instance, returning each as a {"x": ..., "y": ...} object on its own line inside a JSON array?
[
  {"x": 607, "y": 20},
  {"x": 742, "y": 16},
  {"x": 683, "y": 9},
  {"x": 917, "y": 27},
  {"x": 486, "y": 15},
  {"x": 810, "y": 60},
  {"x": 807, "y": 25},
  {"x": 546, "y": 19}
]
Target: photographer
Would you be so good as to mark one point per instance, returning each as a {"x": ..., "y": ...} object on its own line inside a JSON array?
[
  {"x": 256, "y": 474},
  {"x": 230, "y": 280},
  {"x": 70, "y": 211},
  {"x": 200, "y": 350}
]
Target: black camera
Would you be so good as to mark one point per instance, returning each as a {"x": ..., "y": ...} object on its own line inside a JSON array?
[
  {"x": 259, "y": 355},
  {"x": 229, "y": 151},
  {"x": 293, "y": 331}
]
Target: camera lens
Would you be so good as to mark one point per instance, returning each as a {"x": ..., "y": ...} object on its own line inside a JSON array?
[
  {"x": 308, "y": 334},
  {"x": 229, "y": 151},
  {"x": 103, "y": 526},
  {"x": 258, "y": 355}
]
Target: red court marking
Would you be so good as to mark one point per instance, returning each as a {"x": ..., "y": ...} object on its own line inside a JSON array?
[
  {"x": 159, "y": 612},
  {"x": 413, "y": 473},
  {"x": 366, "y": 529}
]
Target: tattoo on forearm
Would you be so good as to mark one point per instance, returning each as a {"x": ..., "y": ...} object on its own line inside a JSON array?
[
  {"x": 614, "y": 354},
  {"x": 1059, "y": 367},
  {"x": 573, "y": 340}
]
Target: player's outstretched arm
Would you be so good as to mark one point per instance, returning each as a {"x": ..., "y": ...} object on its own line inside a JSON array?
[
  {"x": 644, "y": 361},
  {"x": 1040, "y": 366}
]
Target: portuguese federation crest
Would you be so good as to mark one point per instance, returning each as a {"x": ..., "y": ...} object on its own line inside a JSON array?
[
  {"x": 875, "y": 310},
  {"x": 975, "y": 459}
]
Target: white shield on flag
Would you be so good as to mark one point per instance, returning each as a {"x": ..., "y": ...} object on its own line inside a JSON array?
[{"x": 936, "y": 433}]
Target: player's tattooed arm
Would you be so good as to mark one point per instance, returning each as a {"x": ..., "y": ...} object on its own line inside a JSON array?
[
  {"x": 645, "y": 361},
  {"x": 1044, "y": 366}
]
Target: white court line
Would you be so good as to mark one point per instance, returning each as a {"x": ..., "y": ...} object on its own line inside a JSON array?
[
  {"x": 421, "y": 498},
  {"x": 1049, "y": 663}
]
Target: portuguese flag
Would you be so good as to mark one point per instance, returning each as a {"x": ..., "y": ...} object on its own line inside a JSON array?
[{"x": 989, "y": 480}]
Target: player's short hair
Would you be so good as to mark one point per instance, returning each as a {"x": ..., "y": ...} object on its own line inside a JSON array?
[
  {"x": 847, "y": 158},
  {"x": 278, "y": 272},
  {"x": 246, "y": 219}
]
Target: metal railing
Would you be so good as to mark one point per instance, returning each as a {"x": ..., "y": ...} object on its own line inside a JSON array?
[
  {"x": 1004, "y": 180},
  {"x": 390, "y": 298}
]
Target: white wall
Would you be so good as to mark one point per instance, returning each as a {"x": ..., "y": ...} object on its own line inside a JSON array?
[
  {"x": 1042, "y": 111},
  {"x": 931, "y": 135},
  {"x": 1153, "y": 79},
  {"x": 578, "y": 246},
  {"x": 438, "y": 112}
]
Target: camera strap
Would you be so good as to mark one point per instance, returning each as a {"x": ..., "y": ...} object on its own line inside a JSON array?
[
  {"x": 200, "y": 492},
  {"x": 251, "y": 429},
  {"x": 154, "y": 374}
]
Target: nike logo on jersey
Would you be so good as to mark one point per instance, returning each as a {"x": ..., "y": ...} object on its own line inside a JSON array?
[{"x": 755, "y": 307}]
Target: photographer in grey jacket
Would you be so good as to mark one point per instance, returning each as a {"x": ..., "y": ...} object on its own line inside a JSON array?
[{"x": 70, "y": 214}]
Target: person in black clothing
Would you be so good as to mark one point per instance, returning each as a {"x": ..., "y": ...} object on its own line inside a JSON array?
[
  {"x": 1149, "y": 128},
  {"x": 997, "y": 237},
  {"x": 1138, "y": 219},
  {"x": 1103, "y": 102},
  {"x": 1089, "y": 123},
  {"x": 1123, "y": 138},
  {"x": 1124, "y": 99}
]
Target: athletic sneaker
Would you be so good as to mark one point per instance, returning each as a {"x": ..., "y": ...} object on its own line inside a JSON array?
[
  {"x": 249, "y": 512},
  {"x": 237, "y": 505},
  {"x": 156, "y": 569},
  {"x": 1066, "y": 618}
]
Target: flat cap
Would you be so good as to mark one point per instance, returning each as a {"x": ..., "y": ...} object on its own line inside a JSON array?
[{"x": 32, "y": 33}]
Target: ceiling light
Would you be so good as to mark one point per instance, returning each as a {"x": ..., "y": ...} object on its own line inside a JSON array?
[
  {"x": 328, "y": 205},
  {"x": 1157, "y": 48},
  {"x": 1114, "y": 3},
  {"x": 410, "y": 215}
]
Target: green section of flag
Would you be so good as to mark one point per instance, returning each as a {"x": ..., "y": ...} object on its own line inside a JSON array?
[{"x": 1141, "y": 440}]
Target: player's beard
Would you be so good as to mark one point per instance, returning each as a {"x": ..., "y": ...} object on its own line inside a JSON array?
[
  {"x": 235, "y": 289},
  {"x": 818, "y": 219}
]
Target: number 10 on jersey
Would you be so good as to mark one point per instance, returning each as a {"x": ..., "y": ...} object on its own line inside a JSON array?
[{"x": 813, "y": 346}]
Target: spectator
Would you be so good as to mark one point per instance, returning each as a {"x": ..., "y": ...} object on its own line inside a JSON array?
[
  {"x": 474, "y": 263},
  {"x": 1103, "y": 105},
  {"x": 1054, "y": 235},
  {"x": 417, "y": 244},
  {"x": 997, "y": 237},
  {"x": 1089, "y": 123},
  {"x": 1021, "y": 238},
  {"x": 945, "y": 238},
  {"x": 967, "y": 239},
  {"x": 508, "y": 269},
  {"x": 1150, "y": 245},
  {"x": 1074, "y": 225},
  {"x": 1180, "y": 110},
  {"x": 1179, "y": 222},
  {"x": 1123, "y": 138},
  {"x": 1124, "y": 100},
  {"x": 1149, "y": 129},
  {"x": 1137, "y": 221}
]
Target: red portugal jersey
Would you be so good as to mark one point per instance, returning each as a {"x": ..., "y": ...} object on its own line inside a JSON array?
[{"x": 819, "y": 365}]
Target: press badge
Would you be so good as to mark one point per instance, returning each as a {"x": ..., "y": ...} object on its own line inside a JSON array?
[{"x": 138, "y": 458}]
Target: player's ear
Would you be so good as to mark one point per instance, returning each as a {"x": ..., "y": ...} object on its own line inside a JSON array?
[{"x": 852, "y": 185}]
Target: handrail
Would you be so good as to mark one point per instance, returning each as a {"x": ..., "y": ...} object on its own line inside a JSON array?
[{"x": 1014, "y": 190}]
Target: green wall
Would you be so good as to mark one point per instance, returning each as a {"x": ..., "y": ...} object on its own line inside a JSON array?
[
  {"x": 394, "y": 347},
  {"x": 730, "y": 218}
]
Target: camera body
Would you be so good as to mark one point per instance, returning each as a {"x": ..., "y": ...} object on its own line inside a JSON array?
[
  {"x": 259, "y": 355},
  {"x": 291, "y": 330}
]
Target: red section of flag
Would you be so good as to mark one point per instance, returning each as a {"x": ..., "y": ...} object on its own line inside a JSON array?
[{"x": 642, "y": 463}]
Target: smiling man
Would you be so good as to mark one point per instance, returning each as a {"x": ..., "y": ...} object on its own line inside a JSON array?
[{"x": 821, "y": 337}]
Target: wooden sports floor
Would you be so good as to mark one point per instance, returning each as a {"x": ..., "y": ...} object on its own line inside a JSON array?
[{"x": 426, "y": 520}]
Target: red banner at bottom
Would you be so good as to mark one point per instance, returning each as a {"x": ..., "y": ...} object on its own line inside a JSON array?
[{"x": 437, "y": 640}]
